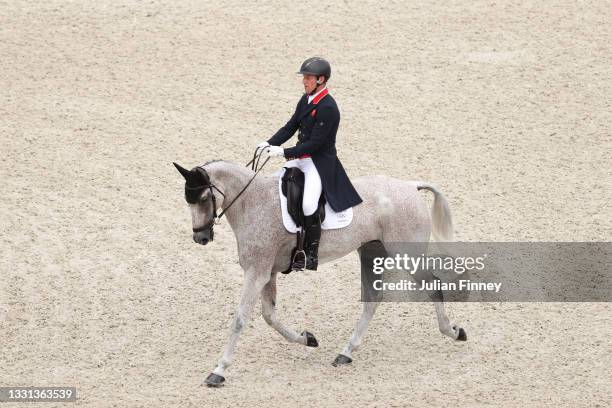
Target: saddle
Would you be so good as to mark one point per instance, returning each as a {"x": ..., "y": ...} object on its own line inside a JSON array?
[{"x": 292, "y": 187}]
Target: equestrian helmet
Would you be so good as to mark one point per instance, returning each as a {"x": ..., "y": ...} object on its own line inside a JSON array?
[{"x": 316, "y": 66}]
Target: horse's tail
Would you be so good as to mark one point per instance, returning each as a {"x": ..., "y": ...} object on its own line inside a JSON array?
[{"x": 442, "y": 222}]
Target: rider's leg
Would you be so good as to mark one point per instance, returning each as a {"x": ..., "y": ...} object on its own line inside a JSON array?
[
  {"x": 299, "y": 258},
  {"x": 310, "y": 203},
  {"x": 292, "y": 163},
  {"x": 312, "y": 186}
]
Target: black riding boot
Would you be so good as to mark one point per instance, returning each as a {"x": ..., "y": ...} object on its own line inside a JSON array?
[{"x": 311, "y": 244}]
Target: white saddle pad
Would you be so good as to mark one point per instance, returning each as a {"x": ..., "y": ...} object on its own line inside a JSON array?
[{"x": 333, "y": 220}]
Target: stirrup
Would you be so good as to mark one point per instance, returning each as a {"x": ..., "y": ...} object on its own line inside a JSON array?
[{"x": 298, "y": 265}]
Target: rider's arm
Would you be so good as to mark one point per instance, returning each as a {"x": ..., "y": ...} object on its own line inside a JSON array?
[
  {"x": 288, "y": 130},
  {"x": 327, "y": 119}
]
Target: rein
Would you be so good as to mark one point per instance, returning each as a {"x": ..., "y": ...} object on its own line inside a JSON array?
[{"x": 254, "y": 163}]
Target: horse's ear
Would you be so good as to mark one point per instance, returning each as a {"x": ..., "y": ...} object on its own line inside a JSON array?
[{"x": 186, "y": 173}]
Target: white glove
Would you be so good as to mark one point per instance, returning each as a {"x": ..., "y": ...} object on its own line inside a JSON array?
[
  {"x": 262, "y": 145},
  {"x": 275, "y": 151}
]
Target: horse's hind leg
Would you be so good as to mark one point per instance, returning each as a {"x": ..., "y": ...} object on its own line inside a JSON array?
[
  {"x": 268, "y": 307},
  {"x": 446, "y": 327},
  {"x": 367, "y": 252},
  {"x": 416, "y": 238},
  {"x": 345, "y": 357}
]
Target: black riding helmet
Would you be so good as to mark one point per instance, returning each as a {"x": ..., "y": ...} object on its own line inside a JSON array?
[{"x": 316, "y": 66}]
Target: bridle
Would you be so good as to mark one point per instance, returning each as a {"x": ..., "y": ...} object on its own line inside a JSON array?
[
  {"x": 210, "y": 224},
  {"x": 216, "y": 219}
]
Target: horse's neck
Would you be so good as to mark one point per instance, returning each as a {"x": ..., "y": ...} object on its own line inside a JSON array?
[{"x": 230, "y": 178}]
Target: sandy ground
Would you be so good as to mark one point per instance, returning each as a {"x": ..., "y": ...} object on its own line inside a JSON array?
[{"x": 505, "y": 105}]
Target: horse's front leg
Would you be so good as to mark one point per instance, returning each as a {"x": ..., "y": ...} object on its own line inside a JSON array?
[
  {"x": 255, "y": 280},
  {"x": 268, "y": 308}
]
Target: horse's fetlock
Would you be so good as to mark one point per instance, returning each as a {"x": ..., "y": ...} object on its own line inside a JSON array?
[
  {"x": 238, "y": 324},
  {"x": 268, "y": 317},
  {"x": 225, "y": 363}
]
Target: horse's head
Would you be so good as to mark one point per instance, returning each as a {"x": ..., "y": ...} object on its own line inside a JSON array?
[{"x": 202, "y": 202}]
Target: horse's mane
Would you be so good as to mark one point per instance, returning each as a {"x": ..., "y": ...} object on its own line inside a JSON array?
[
  {"x": 231, "y": 164},
  {"x": 212, "y": 161}
]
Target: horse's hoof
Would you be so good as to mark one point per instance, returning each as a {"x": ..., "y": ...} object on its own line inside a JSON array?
[
  {"x": 342, "y": 360},
  {"x": 462, "y": 336},
  {"x": 214, "y": 380},
  {"x": 311, "y": 340}
]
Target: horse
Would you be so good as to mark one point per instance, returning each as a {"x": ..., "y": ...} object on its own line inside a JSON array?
[{"x": 392, "y": 210}]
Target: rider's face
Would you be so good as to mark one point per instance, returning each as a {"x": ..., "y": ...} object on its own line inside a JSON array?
[{"x": 310, "y": 83}]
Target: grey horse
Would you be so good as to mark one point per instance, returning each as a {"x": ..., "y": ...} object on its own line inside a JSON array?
[{"x": 392, "y": 211}]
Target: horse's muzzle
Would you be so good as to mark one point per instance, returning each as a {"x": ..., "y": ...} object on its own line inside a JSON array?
[{"x": 203, "y": 237}]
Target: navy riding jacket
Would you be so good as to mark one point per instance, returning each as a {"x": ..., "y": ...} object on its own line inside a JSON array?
[{"x": 318, "y": 123}]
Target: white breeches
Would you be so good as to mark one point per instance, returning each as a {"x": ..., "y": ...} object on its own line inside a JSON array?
[{"x": 312, "y": 183}]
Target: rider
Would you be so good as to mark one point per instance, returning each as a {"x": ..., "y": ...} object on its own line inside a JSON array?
[{"x": 317, "y": 118}]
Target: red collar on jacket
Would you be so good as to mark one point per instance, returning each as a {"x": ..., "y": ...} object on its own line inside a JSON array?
[{"x": 320, "y": 96}]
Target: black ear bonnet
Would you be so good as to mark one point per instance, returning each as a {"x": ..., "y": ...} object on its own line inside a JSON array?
[{"x": 195, "y": 184}]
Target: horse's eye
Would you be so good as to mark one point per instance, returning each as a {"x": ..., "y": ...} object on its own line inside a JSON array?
[{"x": 204, "y": 199}]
